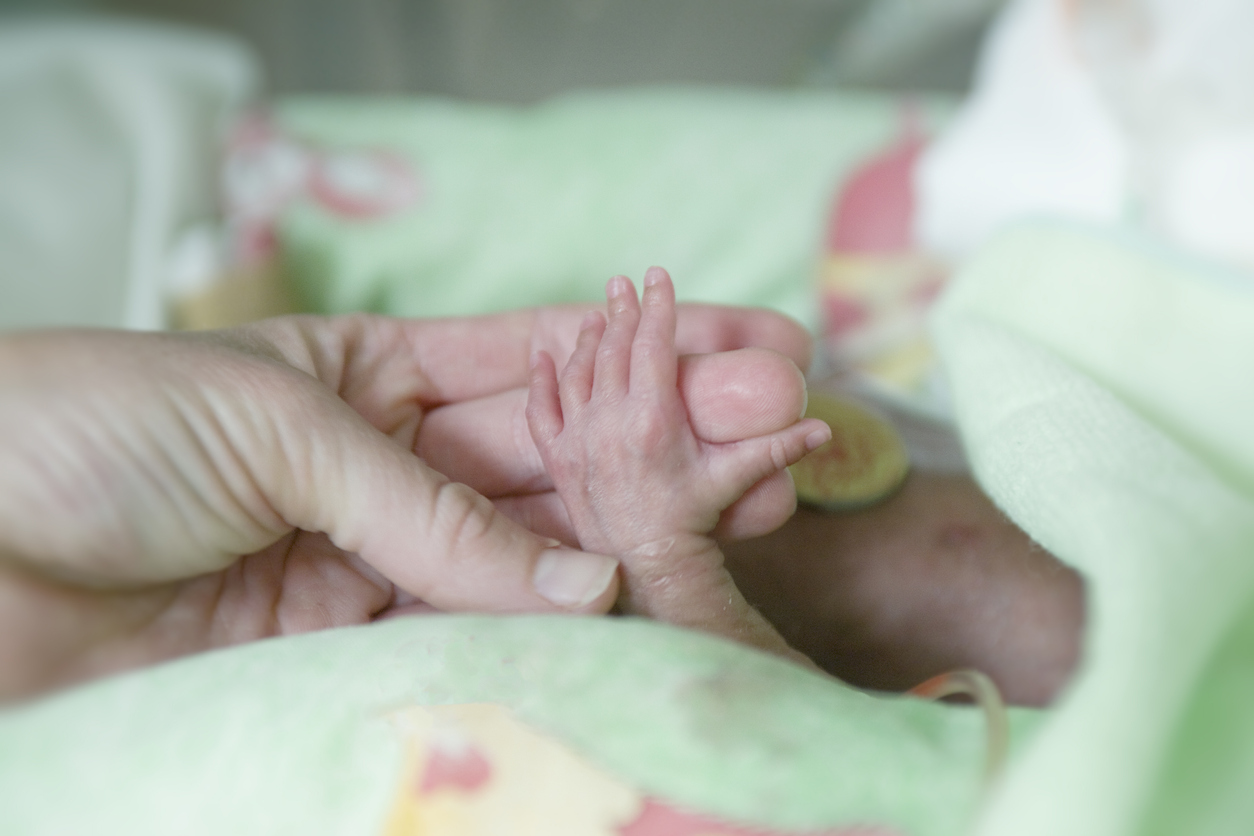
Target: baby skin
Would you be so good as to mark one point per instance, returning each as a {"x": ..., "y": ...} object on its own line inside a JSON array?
[{"x": 635, "y": 478}]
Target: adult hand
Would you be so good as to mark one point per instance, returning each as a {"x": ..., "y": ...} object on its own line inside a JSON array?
[
  {"x": 478, "y": 434},
  {"x": 161, "y": 494}
]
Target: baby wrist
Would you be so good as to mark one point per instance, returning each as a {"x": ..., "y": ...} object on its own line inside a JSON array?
[{"x": 675, "y": 546}]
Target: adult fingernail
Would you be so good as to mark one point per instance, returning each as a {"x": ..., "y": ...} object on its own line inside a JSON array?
[
  {"x": 818, "y": 438},
  {"x": 572, "y": 578}
]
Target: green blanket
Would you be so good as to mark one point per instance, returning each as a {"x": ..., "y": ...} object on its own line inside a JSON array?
[
  {"x": 295, "y": 736},
  {"x": 730, "y": 191},
  {"x": 1103, "y": 389},
  {"x": 1106, "y": 394}
]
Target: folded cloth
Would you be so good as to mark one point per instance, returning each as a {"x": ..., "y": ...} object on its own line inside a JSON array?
[
  {"x": 561, "y": 726},
  {"x": 1103, "y": 391},
  {"x": 1139, "y": 111}
]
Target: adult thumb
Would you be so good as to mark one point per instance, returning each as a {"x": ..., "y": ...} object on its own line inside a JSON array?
[{"x": 438, "y": 540}]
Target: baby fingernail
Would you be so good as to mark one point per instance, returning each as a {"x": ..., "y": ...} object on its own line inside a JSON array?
[{"x": 572, "y": 578}]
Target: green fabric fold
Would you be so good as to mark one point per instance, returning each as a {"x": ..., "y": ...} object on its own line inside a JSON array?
[{"x": 1103, "y": 391}]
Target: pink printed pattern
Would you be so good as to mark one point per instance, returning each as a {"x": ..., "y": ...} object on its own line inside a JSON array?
[
  {"x": 266, "y": 171},
  {"x": 660, "y": 819},
  {"x": 461, "y": 768}
]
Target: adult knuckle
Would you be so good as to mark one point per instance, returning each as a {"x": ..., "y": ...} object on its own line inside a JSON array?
[
  {"x": 463, "y": 518},
  {"x": 779, "y": 454}
]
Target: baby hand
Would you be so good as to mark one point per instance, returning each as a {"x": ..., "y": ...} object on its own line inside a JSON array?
[{"x": 615, "y": 437}]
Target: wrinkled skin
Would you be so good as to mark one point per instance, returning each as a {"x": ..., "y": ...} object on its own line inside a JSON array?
[
  {"x": 637, "y": 479},
  {"x": 164, "y": 494}
]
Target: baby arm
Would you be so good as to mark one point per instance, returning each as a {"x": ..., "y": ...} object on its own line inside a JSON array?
[{"x": 636, "y": 480}]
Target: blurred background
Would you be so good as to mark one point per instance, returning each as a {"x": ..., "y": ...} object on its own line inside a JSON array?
[
  {"x": 503, "y": 51},
  {"x": 207, "y": 158},
  {"x": 197, "y": 164}
]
